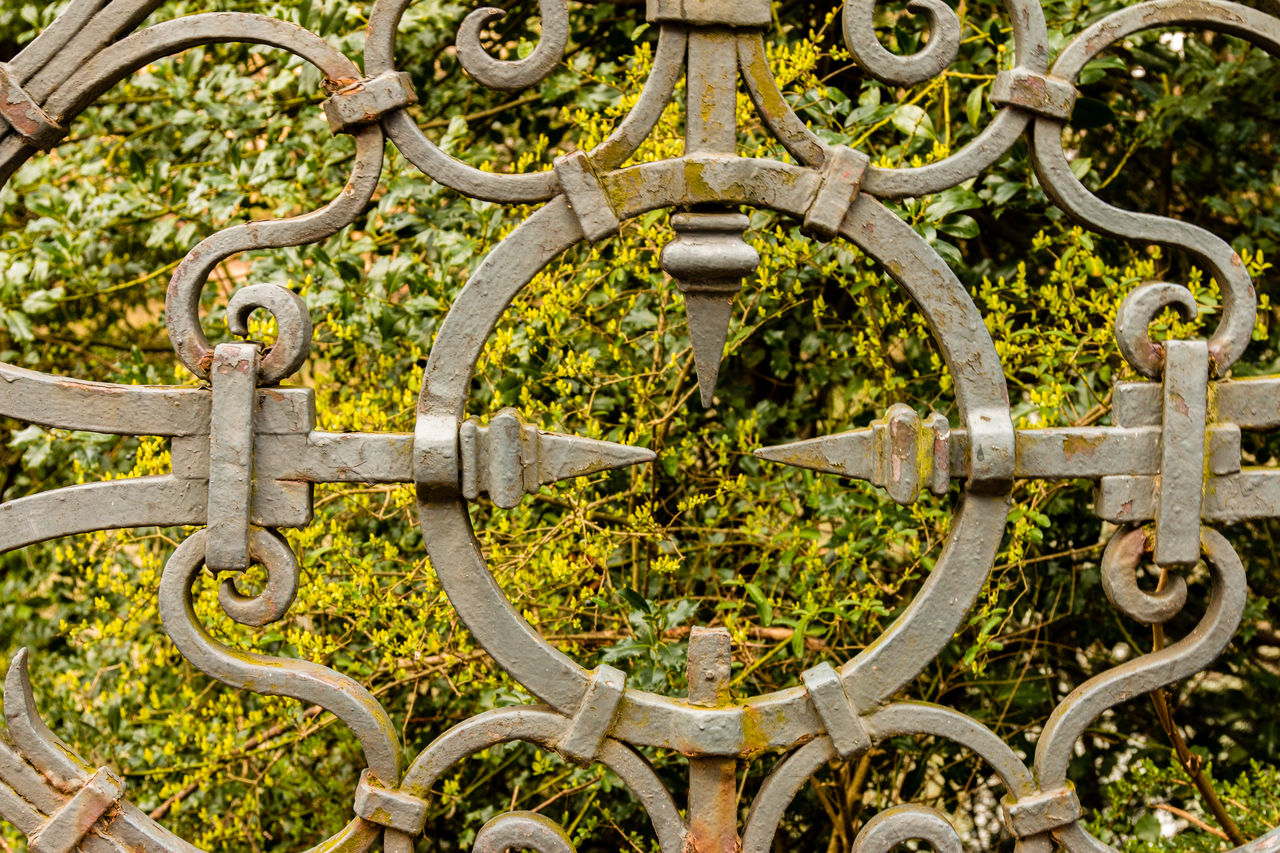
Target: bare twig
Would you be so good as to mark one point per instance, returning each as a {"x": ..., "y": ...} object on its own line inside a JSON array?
[
  {"x": 1191, "y": 819},
  {"x": 1191, "y": 763}
]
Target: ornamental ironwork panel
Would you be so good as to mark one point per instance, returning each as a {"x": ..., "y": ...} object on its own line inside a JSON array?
[{"x": 246, "y": 452}]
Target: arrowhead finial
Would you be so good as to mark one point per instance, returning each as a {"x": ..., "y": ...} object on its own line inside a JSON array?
[
  {"x": 508, "y": 458},
  {"x": 901, "y": 452},
  {"x": 708, "y": 260},
  {"x": 708, "y": 312}
]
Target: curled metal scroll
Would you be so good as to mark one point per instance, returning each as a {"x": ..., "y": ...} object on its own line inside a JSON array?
[
  {"x": 900, "y": 718},
  {"x": 517, "y": 74},
  {"x": 1239, "y": 302},
  {"x": 1031, "y": 52},
  {"x": 1120, "y": 562},
  {"x": 164, "y": 39},
  {"x": 343, "y": 697},
  {"x": 1152, "y": 671},
  {"x": 293, "y": 325},
  {"x": 1137, "y": 312},
  {"x": 668, "y": 66},
  {"x": 929, "y": 62},
  {"x": 542, "y": 727}
]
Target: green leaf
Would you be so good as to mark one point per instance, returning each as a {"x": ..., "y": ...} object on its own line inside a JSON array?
[
  {"x": 951, "y": 201},
  {"x": 763, "y": 607},
  {"x": 973, "y": 105},
  {"x": 960, "y": 226},
  {"x": 635, "y": 600},
  {"x": 913, "y": 121},
  {"x": 1147, "y": 828},
  {"x": 797, "y": 639}
]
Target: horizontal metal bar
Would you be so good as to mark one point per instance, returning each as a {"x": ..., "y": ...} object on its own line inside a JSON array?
[
  {"x": 1250, "y": 403},
  {"x": 64, "y": 403},
  {"x": 1251, "y": 493},
  {"x": 164, "y": 501}
]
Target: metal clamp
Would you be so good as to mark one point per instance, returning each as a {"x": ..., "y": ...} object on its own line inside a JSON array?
[
  {"x": 590, "y": 725},
  {"x": 1042, "y": 812},
  {"x": 753, "y": 14},
  {"x": 68, "y": 826},
  {"x": 582, "y": 188},
  {"x": 392, "y": 809},
  {"x": 508, "y": 458},
  {"x": 20, "y": 111},
  {"x": 365, "y": 102},
  {"x": 844, "y": 727},
  {"x": 841, "y": 180},
  {"x": 234, "y": 375},
  {"x": 1034, "y": 92},
  {"x": 1179, "y": 499}
]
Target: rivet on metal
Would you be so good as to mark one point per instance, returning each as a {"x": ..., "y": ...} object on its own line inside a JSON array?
[
  {"x": 594, "y": 718},
  {"x": 826, "y": 692},
  {"x": 365, "y": 102}
]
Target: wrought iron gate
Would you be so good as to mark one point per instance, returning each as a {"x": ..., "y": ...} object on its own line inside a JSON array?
[{"x": 246, "y": 452}]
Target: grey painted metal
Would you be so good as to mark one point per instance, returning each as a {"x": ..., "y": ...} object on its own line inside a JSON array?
[{"x": 246, "y": 454}]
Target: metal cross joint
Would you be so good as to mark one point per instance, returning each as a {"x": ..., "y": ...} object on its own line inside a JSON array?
[{"x": 365, "y": 102}]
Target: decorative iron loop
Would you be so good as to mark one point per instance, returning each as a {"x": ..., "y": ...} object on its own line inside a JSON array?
[
  {"x": 271, "y": 676},
  {"x": 1152, "y": 671},
  {"x": 900, "y": 824},
  {"x": 514, "y": 75},
  {"x": 1120, "y": 563},
  {"x": 245, "y": 457},
  {"x": 929, "y": 62},
  {"x": 293, "y": 327}
]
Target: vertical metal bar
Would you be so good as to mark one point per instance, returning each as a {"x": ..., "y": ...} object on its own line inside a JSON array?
[
  {"x": 1178, "y": 509},
  {"x": 713, "y": 788},
  {"x": 234, "y": 375},
  {"x": 712, "y": 97}
]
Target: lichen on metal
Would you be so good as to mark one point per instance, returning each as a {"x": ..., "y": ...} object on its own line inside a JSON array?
[{"x": 246, "y": 454}]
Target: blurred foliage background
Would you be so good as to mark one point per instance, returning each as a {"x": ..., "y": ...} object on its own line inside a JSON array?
[{"x": 801, "y": 568}]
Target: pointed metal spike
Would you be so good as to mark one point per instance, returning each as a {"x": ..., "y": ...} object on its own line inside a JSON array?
[
  {"x": 42, "y": 748},
  {"x": 849, "y": 454},
  {"x": 563, "y": 457},
  {"x": 709, "y": 312}
]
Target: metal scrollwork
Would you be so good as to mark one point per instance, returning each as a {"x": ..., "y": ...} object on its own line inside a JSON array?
[
  {"x": 246, "y": 453},
  {"x": 514, "y": 75}
]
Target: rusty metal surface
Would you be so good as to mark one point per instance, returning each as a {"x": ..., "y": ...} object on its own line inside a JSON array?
[{"x": 246, "y": 454}]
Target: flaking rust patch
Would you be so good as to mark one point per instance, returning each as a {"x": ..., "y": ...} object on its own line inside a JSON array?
[{"x": 1074, "y": 445}]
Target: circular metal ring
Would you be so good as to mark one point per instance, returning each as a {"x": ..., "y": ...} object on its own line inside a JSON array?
[{"x": 785, "y": 718}]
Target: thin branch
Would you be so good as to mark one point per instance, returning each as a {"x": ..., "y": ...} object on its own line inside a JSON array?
[
  {"x": 1191, "y": 819},
  {"x": 1191, "y": 763}
]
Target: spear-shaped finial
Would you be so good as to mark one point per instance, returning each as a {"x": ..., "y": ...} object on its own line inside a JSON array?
[{"x": 708, "y": 261}]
